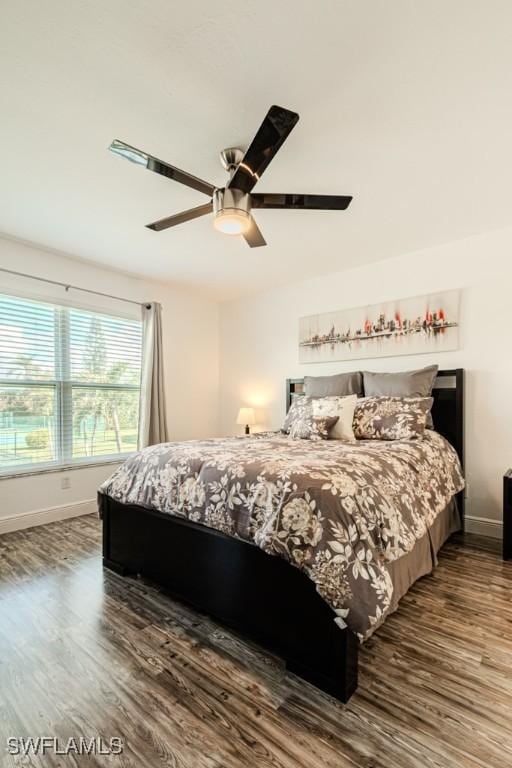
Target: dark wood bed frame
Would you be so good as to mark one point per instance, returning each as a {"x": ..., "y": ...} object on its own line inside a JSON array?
[{"x": 260, "y": 596}]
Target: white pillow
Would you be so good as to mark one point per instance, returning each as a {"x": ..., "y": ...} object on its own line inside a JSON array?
[{"x": 343, "y": 408}]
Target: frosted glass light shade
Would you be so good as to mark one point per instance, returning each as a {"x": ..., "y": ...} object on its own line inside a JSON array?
[{"x": 232, "y": 222}]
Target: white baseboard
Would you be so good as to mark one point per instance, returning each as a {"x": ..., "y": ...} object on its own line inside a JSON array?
[
  {"x": 43, "y": 516},
  {"x": 484, "y": 526}
]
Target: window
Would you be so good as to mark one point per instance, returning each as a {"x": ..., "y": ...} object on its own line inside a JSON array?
[{"x": 69, "y": 385}]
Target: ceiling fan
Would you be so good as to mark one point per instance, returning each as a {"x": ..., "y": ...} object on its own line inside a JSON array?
[{"x": 232, "y": 204}]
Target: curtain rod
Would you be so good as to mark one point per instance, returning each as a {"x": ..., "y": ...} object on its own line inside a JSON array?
[{"x": 67, "y": 286}]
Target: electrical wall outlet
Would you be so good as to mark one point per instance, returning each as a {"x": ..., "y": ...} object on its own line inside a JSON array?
[{"x": 65, "y": 482}]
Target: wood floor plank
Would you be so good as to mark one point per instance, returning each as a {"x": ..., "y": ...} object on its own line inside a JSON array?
[{"x": 84, "y": 652}]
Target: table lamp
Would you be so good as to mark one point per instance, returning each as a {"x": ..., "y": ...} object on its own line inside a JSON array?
[{"x": 246, "y": 416}]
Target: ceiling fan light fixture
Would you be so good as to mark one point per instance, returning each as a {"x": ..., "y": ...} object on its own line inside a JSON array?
[
  {"x": 232, "y": 221},
  {"x": 231, "y": 205}
]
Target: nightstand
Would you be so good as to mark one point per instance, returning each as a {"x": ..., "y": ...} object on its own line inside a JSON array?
[{"x": 507, "y": 515}]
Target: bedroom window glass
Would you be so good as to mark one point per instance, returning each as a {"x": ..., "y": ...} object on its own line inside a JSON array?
[{"x": 69, "y": 385}]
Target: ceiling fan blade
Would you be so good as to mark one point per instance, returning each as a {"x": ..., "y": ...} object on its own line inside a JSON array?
[
  {"x": 180, "y": 218},
  {"x": 158, "y": 166},
  {"x": 271, "y": 134},
  {"x": 253, "y": 236},
  {"x": 304, "y": 202}
]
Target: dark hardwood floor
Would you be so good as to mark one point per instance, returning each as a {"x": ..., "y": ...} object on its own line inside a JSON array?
[{"x": 84, "y": 652}]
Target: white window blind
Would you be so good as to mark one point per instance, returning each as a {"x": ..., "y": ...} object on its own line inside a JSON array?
[{"x": 69, "y": 385}]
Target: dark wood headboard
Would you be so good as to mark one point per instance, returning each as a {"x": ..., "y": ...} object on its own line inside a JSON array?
[{"x": 447, "y": 410}]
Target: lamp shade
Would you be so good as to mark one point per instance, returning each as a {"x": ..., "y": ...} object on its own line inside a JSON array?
[{"x": 245, "y": 416}]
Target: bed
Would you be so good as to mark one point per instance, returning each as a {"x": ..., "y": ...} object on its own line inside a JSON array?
[{"x": 233, "y": 553}]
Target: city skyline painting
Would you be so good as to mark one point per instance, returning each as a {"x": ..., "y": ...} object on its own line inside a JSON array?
[{"x": 410, "y": 326}]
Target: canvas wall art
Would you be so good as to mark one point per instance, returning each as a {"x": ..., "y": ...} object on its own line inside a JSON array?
[{"x": 403, "y": 327}]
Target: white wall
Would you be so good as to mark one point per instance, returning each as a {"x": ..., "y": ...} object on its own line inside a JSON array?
[
  {"x": 259, "y": 346},
  {"x": 191, "y": 324}
]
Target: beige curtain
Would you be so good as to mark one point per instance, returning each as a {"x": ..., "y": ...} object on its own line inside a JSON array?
[{"x": 153, "y": 416}]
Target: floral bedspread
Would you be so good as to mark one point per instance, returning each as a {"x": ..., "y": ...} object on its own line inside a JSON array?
[{"x": 341, "y": 512}]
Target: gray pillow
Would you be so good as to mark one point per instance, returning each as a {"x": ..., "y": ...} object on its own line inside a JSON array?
[
  {"x": 402, "y": 384},
  {"x": 339, "y": 384}
]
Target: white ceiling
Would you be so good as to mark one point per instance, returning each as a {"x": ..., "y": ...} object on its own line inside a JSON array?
[{"x": 406, "y": 105}]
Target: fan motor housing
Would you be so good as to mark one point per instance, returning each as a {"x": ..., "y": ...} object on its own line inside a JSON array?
[{"x": 231, "y": 200}]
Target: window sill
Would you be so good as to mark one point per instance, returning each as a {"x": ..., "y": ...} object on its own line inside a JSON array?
[{"x": 13, "y": 474}]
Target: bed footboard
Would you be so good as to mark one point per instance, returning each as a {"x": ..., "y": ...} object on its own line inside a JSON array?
[{"x": 256, "y": 594}]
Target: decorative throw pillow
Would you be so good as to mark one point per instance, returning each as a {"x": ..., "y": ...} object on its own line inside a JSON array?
[
  {"x": 340, "y": 385},
  {"x": 311, "y": 428},
  {"x": 343, "y": 408},
  {"x": 300, "y": 406},
  {"x": 391, "y": 418},
  {"x": 417, "y": 383}
]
